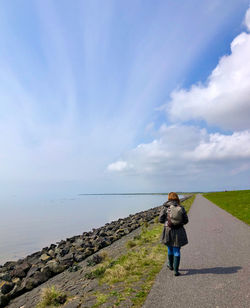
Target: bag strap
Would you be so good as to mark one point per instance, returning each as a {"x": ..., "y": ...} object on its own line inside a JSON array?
[{"x": 169, "y": 221}]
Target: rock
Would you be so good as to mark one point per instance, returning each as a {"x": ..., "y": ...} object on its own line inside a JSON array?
[
  {"x": 51, "y": 252},
  {"x": 21, "y": 270},
  {"x": 36, "y": 279},
  {"x": 103, "y": 243},
  {"x": 55, "y": 267},
  {"x": 45, "y": 257},
  {"x": 64, "y": 251},
  {"x": 61, "y": 243},
  {"x": 78, "y": 257},
  {"x": 33, "y": 270},
  {"x": 10, "y": 265},
  {"x": 5, "y": 277},
  {"x": 88, "y": 252},
  {"x": 52, "y": 247},
  {"x": 34, "y": 258},
  {"x": 47, "y": 272},
  {"x": 4, "y": 300},
  {"x": 16, "y": 280},
  {"x": 67, "y": 259},
  {"x": 73, "y": 304},
  {"x": 61, "y": 299},
  {"x": 78, "y": 243},
  {"x": 6, "y": 287},
  {"x": 17, "y": 290}
]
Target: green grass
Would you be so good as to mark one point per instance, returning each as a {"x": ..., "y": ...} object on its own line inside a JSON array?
[
  {"x": 132, "y": 275},
  {"x": 51, "y": 297},
  {"x": 187, "y": 204},
  {"x": 236, "y": 203},
  {"x": 101, "y": 298}
]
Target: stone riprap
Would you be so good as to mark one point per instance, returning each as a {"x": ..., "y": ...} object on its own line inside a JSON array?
[{"x": 18, "y": 277}]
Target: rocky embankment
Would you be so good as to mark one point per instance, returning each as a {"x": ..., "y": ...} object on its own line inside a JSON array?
[{"x": 25, "y": 274}]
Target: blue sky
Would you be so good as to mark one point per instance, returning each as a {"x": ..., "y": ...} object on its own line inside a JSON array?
[{"x": 101, "y": 96}]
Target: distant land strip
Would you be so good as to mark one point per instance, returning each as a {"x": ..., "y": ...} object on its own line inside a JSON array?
[
  {"x": 119, "y": 194},
  {"x": 130, "y": 194}
]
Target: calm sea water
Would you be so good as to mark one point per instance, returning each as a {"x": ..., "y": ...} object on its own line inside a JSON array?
[{"x": 28, "y": 227}]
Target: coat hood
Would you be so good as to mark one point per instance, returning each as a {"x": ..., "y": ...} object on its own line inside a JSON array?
[{"x": 171, "y": 202}]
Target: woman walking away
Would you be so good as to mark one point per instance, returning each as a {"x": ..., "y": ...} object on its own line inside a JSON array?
[{"x": 174, "y": 216}]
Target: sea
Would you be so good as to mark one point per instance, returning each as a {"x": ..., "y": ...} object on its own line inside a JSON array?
[{"x": 27, "y": 227}]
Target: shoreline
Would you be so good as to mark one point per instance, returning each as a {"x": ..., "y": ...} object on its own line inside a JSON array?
[
  {"x": 19, "y": 277},
  {"x": 28, "y": 228}
]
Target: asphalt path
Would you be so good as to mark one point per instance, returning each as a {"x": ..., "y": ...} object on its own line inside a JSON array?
[{"x": 215, "y": 265}]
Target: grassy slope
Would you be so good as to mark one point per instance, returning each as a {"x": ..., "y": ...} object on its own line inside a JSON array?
[
  {"x": 128, "y": 279},
  {"x": 236, "y": 203}
]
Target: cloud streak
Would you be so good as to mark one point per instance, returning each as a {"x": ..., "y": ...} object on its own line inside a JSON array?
[{"x": 79, "y": 83}]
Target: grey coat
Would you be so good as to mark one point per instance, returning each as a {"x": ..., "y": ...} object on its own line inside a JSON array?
[{"x": 176, "y": 235}]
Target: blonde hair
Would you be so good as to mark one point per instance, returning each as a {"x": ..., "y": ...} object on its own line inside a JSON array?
[{"x": 173, "y": 197}]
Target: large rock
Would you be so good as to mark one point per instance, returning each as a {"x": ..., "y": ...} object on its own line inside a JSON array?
[
  {"x": 21, "y": 270},
  {"x": 6, "y": 287},
  {"x": 36, "y": 279},
  {"x": 5, "y": 276},
  {"x": 33, "y": 270},
  {"x": 10, "y": 265},
  {"x": 55, "y": 267},
  {"x": 4, "y": 299},
  {"x": 67, "y": 259},
  {"x": 45, "y": 257}
]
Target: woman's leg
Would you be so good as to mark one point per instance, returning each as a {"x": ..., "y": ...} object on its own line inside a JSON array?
[
  {"x": 177, "y": 257},
  {"x": 170, "y": 257},
  {"x": 176, "y": 251}
]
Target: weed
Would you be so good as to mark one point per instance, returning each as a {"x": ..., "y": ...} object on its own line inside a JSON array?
[
  {"x": 146, "y": 224},
  {"x": 101, "y": 298},
  {"x": 130, "y": 244},
  {"x": 52, "y": 297},
  {"x": 74, "y": 268},
  {"x": 137, "y": 237},
  {"x": 97, "y": 273},
  {"x": 103, "y": 254},
  {"x": 156, "y": 220},
  {"x": 96, "y": 259}
]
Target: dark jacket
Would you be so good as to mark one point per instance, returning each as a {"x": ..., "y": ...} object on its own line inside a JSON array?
[{"x": 176, "y": 234}]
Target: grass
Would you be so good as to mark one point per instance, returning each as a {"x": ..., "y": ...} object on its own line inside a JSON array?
[
  {"x": 236, "y": 203},
  {"x": 101, "y": 298},
  {"x": 51, "y": 297},
  {"x": 131, "y": 276},
  {"x": 97, "y": 273},
  {"x": 187, "y": 204}
]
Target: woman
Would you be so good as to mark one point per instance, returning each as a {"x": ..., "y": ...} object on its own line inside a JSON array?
[{"x": 174, "y": 216}]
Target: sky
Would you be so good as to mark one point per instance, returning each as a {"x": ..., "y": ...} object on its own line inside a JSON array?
[{"x": 124, "y": 96}]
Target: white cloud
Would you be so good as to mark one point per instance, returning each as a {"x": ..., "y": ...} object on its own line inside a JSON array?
[
  {"x": 247, "y": 19},
  {"x": 187, "y": 150},
  {"x": 224, "y": 100},
  {"x": 120, "y": 165},
  {"x": 223, "y": 147}
]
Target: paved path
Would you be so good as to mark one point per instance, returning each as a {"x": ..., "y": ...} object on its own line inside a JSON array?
[{"x": 215, "y": 265}]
